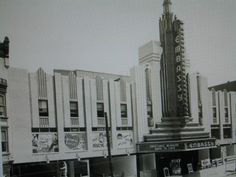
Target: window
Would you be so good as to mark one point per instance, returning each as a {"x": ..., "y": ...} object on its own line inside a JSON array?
[
  {"x": 199, "y": 111},
  {"x": 215, "y": 133},
  {"x": 227, "y": 132},
  {"x": 226, "y": 112},
  {"x": 214, "y": 112},
  {"x": 226, "y": 115},
  {"x": 214, "y": 115},
  {"x": 43, "y": 108},
  {"x": 123, "y": 109},
  {"x": 74, "y": 109},
  {"x": 149, "y": 110},
  {"x": 2, "y": 105},
  {"x": 100, "y": 110},
  {"x": 4, "y": 140}
]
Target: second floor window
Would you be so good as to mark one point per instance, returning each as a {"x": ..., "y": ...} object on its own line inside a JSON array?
[
  {"x": 43, "y": 108},
  {"x": 123, "y": 109},
  {"x": 226, "y": 115},
  {"x": 149, "y": 110},
  {"x": 74, "y": 109},
  {"x": 226, "y": 112},
  {"x": 4, "y": 140},
  {"x": 100, "y": 110},
  {"x": 214, "y": 112},
  {"x": 214, "y": 115},
  {"x": 200, "y": 111},
  {"x": 2, "y": 105}
]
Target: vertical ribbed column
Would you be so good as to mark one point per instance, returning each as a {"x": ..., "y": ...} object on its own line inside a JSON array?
[
  {"x": 73, "y": 86},
  {"x": 42, "y": 84}
]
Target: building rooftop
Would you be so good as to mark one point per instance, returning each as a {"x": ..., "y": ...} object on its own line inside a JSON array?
[{"x": 229, "y": 86}]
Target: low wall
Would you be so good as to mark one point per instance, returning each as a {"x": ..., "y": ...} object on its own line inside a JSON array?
[{"x": 209, "y": 172}]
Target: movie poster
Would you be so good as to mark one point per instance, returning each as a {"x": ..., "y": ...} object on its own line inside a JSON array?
[
  {"x": 125, "y": 139},
  {"x": 44, "y": 142},
  {"x": 99, "y": 140},
  {"x": 75, "y": 141}
]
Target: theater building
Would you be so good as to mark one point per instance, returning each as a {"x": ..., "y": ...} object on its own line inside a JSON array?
[
  {"x": 161, "y": 118},
  {"x": 179, "y": 135}
]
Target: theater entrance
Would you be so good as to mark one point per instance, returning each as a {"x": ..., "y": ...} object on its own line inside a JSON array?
[{"x": 176, "y": 163}]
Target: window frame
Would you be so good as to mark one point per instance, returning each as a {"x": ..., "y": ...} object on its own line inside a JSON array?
[
  {"x": 43, "y": 113},
  {"x": 123, "y": 113},
  {"x": 100, "y": 110},
  {"x": 4, "y": 141},
  {"x": 3, "y": 105},
  {"x": 74, "y": 112},
  {"x": 200, "y": 111},
  {"x": 149, "y": 112}
]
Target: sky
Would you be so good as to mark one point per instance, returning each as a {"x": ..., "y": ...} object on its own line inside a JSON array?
[{"x": 104, "y": 35}]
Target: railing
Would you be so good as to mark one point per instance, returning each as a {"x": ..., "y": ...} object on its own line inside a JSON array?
[
  {"x": 74, "y": 121},
  {"x": 124, "y": 121},
  {"x": 101, "y": 121},
  {"x": 43, "y": 122}
]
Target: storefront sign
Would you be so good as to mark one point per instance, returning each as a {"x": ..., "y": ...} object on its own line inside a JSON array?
[
  {"x": 200, "y": 144},
  {"x": 125, "y": 139},
  {"x": 75, "y": 141},
  {"x": 175, "y": 146},
  {"x": 44, "y": 142}
]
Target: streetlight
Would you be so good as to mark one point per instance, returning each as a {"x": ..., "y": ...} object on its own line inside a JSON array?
[{"x": 108, "y": 145}]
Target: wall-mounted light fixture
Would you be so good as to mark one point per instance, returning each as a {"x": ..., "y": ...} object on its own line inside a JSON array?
[
  {"x": 77, "y": 156},
  {"x": 104, "y": 154},
  {"x": 47, "y": 159},
  {"x": 127, "y": 152}
]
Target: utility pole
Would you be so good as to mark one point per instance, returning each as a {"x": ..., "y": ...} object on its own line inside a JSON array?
[
  {"x": 108, "y": 145},
  {"x": 1, "y": 159}
]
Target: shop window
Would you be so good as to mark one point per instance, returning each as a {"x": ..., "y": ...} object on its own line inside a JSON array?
[
  {"x": 74, "y": 109},
  {"x": 2, "y": 105},
  {"x": 43, "y": 108},
  {"x": 4, "y": 140},
  {"x": 123, "y": 108},
  {"x": 100, "y": 110}
]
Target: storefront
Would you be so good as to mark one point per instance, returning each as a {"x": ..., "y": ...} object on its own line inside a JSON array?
[
  {"x": 176, "y": 157},
  {"x": 73, "y": 168}
]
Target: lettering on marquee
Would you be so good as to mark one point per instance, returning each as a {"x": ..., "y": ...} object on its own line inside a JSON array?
[{"x": 176, "y": 146}]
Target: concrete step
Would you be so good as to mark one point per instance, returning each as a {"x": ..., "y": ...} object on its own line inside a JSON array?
[
  {"x": 175, "y": 136},
  {"x": 176, "y": 129},
  {"x": 176, "y": 124}
]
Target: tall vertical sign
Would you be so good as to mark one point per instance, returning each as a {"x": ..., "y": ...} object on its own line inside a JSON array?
[{"x": 181, "y": 76}]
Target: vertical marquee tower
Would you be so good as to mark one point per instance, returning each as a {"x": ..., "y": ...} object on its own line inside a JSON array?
[{"x": 174, "y": 79}]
